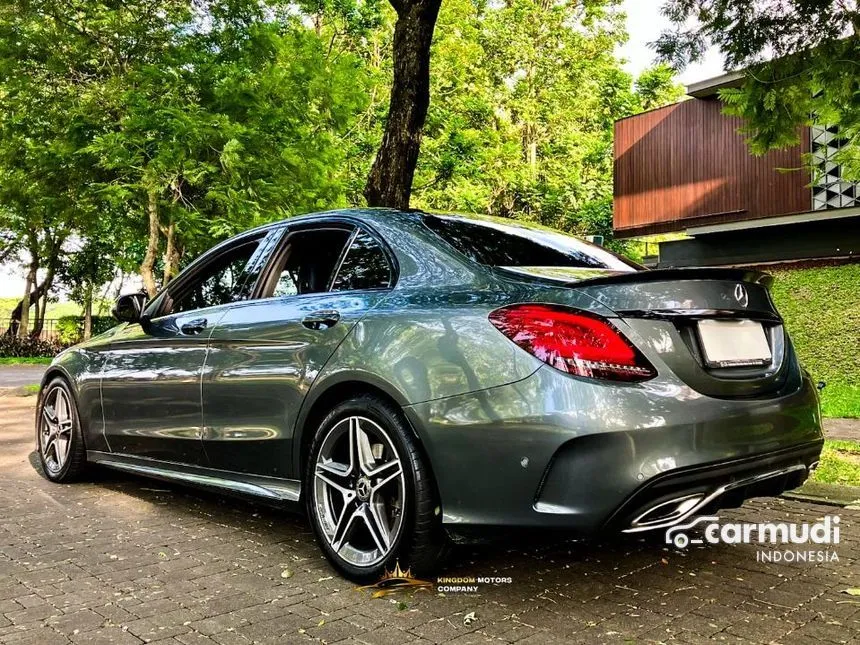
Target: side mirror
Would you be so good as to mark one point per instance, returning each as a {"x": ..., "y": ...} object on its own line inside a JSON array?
[{"x": 129, "y": 307}]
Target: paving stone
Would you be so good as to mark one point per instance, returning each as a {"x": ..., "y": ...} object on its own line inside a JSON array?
[
  {"x": 78, "y": 621},
  {"x": 119, "y": 560},
  {"x": 38, "y": 636},
  {"x": 162, "y": 626},
  {"x": 34, "y": 614},
  {"x": 106, "y": 636}
]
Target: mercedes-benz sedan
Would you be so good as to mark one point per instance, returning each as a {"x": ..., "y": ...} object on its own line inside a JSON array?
[{"x": 410, "y": 377}]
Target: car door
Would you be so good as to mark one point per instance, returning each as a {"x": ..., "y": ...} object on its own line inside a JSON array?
[
  {"x": 150, "y": 381},
  {"x": 265, "y": 353}
]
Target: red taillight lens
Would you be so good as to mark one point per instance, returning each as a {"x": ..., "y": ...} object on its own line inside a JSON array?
[{"x": 573, "y": 341}]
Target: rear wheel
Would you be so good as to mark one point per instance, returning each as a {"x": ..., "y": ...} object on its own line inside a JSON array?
[
  {"x": 58, "y": 433},
  {"x": 369, "y": 494}
]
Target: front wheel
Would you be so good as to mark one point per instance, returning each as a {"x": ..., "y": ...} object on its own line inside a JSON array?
[
  {"x": 58, "y": 433},
  {"x": 369, "y": 495}
]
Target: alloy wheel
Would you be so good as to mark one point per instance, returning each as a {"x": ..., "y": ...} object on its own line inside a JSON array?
[
  {"x": 55, "y": 436},
  {"x": 359, "y": 491}
]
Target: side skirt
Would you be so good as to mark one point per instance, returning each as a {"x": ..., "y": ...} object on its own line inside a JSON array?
[{"x": 270, "y": 489}]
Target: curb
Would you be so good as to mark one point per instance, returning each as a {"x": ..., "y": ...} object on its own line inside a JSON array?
[{"x": 826, "y": 495}]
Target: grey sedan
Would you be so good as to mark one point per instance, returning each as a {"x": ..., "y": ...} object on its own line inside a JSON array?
[{"x": 412, "y": 378}]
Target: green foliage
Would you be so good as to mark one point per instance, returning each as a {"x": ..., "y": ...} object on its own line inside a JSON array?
[
  {"x": 656, "y": 87},
  {"x": 813, "y": 47},
  {"x": 821, "y": 309},
  {"x": 229, "y": 134},
  {"x": 595, "y": 218},
  {"x": 67, "y": 329},
  {"x": 524, "y": 96},
  {"x": 70, "y": 329},
  {"x": 214, "y": 117},
  {"x": 15, "y": 347},
  {"x": 30, "y": 360}
]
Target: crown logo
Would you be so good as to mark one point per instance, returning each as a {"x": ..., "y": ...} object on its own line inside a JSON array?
[
  {"x": 398, "y": 580},
  {"x": 398, "y": 572}
]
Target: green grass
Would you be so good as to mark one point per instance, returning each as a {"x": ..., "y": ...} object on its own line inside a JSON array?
[
  {"x": 55, "y": 309},
  {"x": 839, "y": 400},
  {"x": 29, "y": 390},
  {"x": 23, "y": 360},
  {"x": 840, "y": 463},
  {"x": 821, "y": 309}
]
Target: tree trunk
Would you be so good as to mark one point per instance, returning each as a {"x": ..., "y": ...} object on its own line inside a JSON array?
[
  {"x": 23, "y": 309},
  {"x": 148, "y": 264},
  {"x": 170, "y": 253},
  {"x": 88, "y": 312},
  {"x": 32, "y": 278},
  {"x": 41, "y": 309},
  {"x": 47, "y": 283},
  {"x": 17, "y": 312},
  {"x": 38, "y": 291},
  {"x": 38, "y": 317},
  {"x": 390, "y": 180}
]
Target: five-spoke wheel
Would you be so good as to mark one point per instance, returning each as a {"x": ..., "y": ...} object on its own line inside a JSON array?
[
  {"x": 60, "y": 444},
  {"x": 359, "y": 490},
  {"x": 369, "y": 493}
]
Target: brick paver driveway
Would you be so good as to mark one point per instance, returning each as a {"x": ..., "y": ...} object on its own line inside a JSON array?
[{"x": 125, "y": 560}]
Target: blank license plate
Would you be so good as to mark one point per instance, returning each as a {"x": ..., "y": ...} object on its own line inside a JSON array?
[{"x": 733, "y": 343}]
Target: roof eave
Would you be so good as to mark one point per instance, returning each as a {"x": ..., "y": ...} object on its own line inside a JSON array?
[{"x": 709, "y": 87}]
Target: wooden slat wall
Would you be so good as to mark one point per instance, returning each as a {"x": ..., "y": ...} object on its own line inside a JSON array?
[{"x": 687, "y": 162}]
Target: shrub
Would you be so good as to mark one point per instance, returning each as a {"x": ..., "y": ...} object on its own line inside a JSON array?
[
  {"x": 13, "y": 346},
  {"x": 70, "y": 329}
]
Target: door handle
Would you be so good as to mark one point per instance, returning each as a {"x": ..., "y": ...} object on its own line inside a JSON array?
[
  {"x": 193, "y": 327},
  {"x": 321, "y": 319}
]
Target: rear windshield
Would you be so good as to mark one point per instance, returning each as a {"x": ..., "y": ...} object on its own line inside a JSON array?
[{"x": 513, "y": 245}]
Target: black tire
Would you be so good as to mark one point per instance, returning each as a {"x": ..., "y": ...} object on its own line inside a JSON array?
[
  {"x": 74, "y": 463},
  {"x": 421, "y": 545}
]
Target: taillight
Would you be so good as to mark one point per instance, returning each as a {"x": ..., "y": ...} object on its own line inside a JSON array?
[{"x": 573, "y": 341}]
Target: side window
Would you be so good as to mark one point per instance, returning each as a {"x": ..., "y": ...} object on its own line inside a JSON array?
[
  {"x": 309, "y": 262},
  {"x": 364, "y": 267},
  {"x": 220, "y": 283}
]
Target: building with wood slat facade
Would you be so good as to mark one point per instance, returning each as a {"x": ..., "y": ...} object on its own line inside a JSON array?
[{"x": 684, "y": 168}]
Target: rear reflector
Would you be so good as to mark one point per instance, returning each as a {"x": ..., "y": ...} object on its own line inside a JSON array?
[{"x": 573, "y": 341}]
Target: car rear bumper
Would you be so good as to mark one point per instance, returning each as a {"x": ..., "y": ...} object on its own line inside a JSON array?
[
  {"x": 553, "y": 451},
  {"x": 671, "y": 499}
]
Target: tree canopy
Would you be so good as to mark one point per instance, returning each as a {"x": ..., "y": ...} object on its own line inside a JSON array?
[
  {"x": 135, "y": 134},
  {"x": 800, "y": 60}
]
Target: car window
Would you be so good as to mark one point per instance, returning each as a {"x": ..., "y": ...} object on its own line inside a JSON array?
[
  {"x": 509, "y": 245},
  {"x": 222, "y": 282},
  {"x": 309, "y": 262},
  {"x": 365, "y": 266}
]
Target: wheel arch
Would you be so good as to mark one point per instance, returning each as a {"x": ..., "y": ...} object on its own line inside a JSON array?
[
  {"x": 57, "y": 371},
  {"x": 54, "y": 371},
  {"x": 72, "y": 366},
  {"x": 340, "y": 388}
]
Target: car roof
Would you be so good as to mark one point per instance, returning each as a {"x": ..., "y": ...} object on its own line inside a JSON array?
[{"x": 368, "y": 214}]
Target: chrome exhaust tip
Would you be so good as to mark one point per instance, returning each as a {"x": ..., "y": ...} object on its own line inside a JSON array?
[
  {"x": 676, "y": 510},
  {"x": 666, "y": 513}
]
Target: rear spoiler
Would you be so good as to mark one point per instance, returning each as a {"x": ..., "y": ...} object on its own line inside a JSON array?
[{"x": 668, "y": 275}]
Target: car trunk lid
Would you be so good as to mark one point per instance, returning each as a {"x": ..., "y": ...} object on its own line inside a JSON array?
[{"x": 715, "y": 329}]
